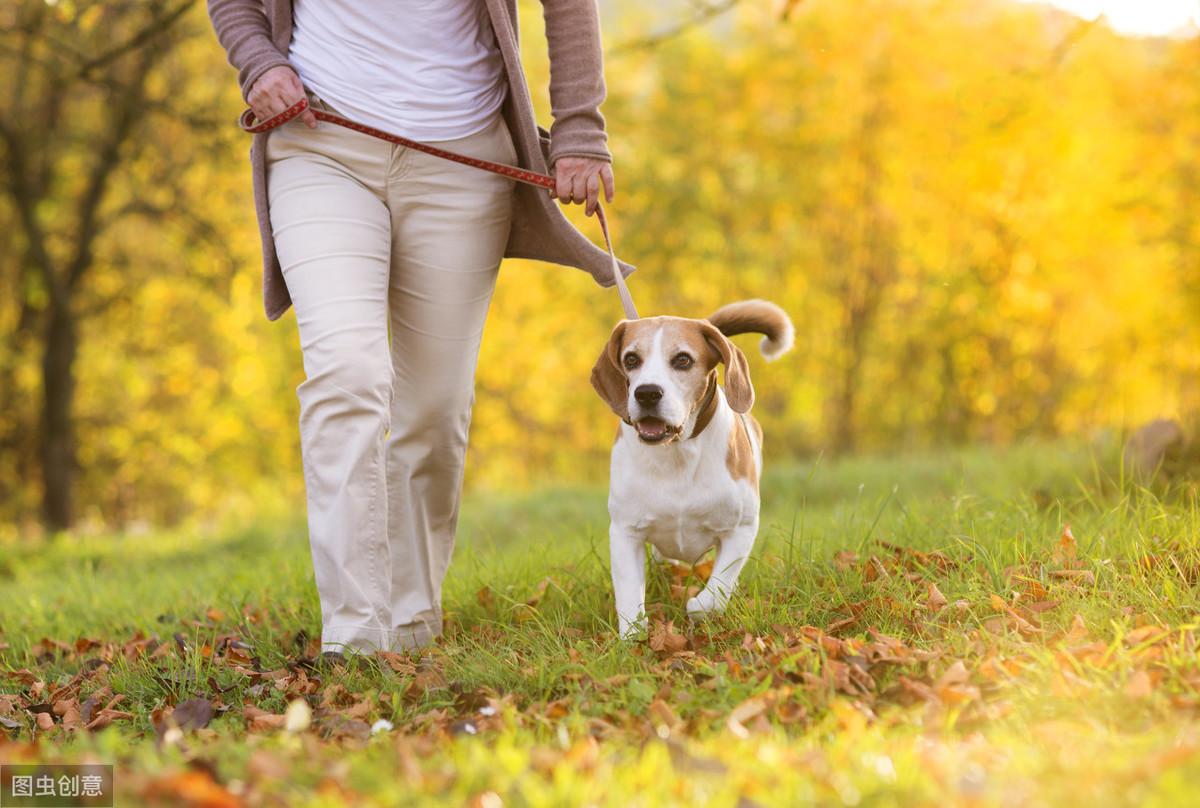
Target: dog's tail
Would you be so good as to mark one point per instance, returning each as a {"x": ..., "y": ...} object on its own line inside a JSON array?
[{"x": 757, "y": 317}]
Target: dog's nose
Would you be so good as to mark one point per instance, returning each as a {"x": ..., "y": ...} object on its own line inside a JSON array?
[{"x": 648, "y": 394}]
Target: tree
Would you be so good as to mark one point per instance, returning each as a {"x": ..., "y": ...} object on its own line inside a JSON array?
[{"x": 75, "y": 113}]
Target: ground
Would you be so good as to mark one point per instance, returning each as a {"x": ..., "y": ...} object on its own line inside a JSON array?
[{"x": 977, "y": 627}]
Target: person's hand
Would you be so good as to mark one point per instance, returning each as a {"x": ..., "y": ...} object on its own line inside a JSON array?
[
  {"x": 275, "y": 91},
  {"x": 578, "y": 180}
]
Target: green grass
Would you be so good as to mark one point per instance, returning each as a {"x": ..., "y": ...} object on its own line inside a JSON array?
[{"x": 1066, "y": 693}]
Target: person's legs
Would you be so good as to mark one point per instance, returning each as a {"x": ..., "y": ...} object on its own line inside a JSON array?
[
  {"x": 450, "y": 225},
  {"x": 333, "y": 236}
]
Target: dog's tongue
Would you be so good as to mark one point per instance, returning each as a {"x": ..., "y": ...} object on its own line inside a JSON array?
[{"x": 651, "y": 428}]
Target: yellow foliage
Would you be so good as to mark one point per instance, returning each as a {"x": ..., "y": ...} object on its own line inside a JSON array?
[{"x": 980, "y": 215}]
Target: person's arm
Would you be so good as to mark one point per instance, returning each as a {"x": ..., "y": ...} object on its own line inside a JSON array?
[
  {"x": 269, "y": 83},
  {"x": 579, "y": 152},
  {"x": 244, "y": 33}
]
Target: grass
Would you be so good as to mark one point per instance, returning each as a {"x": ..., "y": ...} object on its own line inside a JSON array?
[{"x": 911, "y": 630}]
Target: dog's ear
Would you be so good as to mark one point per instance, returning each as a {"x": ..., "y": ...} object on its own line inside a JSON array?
[
  {"x": 739, "y": 392},
  {"x": 607, "y": 377}
]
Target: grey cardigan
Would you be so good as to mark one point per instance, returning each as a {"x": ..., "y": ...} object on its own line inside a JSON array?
[{"x": 257, "y": 34}]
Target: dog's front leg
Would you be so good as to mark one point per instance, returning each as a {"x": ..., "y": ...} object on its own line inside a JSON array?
[
  {"x": 627, "y": 554},
  {"x": 732, "y": 555}
]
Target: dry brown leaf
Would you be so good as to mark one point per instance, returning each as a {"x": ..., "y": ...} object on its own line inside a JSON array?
[
  {"x": 338, "y": 726},
  {"x": 685, "y": 762},
  {"x": 995, "y": 625},
  {"x": 665, "y": 639},
  {"x": 845, "y": 560},
  {"x": 69, "y": 712},
  {"x": 663, "y": 715},
  {"x": 1067, "y": 547},
  {"x": 1078, "y": 631},
  {"x": 958, "y": 694},
  {"x": 918, "y": 690},
  {"x": 106, "y": 716},
  {"x": 1077, "y": 577},
  {"x": 557, "y": 709},
  {"x": 748, "y": 709},
  {"x": 192, "y": 788},
  {"x": 259, "y": 720},
  {"x": 956, "y": 674},
  {"x": 1148, "y": 633},
  {"x": 359, "y": 710},
  {"x": 192, "y": 714},
  {"x": 936, "y": 600},
  {"x": 1139, "y": 686}
]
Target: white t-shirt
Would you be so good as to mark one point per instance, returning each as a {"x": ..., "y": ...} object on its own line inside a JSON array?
[{"x": 425, "y": 69}]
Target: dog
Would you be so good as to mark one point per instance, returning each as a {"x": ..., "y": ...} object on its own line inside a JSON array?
[{"x": 688, "y": 455}]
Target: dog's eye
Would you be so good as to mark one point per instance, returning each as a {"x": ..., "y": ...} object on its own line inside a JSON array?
[
  {"x": 682, "y": 361},
  {"x": 631, "y": 361}
]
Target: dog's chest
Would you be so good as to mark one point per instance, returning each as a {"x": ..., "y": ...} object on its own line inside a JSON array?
[{"x": 682, "y": 508}]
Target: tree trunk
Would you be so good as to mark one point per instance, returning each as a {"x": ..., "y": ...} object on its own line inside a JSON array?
[
  {"x": 843, "y": 416},
  {"x": 57, "y": 439}
]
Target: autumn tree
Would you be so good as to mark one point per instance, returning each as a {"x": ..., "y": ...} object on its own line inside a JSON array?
[{"x": 86, "y": 87}]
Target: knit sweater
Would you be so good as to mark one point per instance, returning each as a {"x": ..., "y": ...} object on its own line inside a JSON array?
[{"x": 256, "y": 35}]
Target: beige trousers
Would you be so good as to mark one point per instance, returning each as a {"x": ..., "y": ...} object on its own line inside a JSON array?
[{"x": 390, "y": 256}]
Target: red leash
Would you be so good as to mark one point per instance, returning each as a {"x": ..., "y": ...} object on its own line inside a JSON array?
[{"x": 249, "y": 124}]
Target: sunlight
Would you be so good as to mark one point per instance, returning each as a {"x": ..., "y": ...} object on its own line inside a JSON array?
[{"x": 1138, "y": 17}]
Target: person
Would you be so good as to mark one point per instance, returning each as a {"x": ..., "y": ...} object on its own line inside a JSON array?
[{"x": 389, "y": 257}]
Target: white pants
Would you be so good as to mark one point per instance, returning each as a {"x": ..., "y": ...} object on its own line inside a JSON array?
[{"x": 390, "y": 256}]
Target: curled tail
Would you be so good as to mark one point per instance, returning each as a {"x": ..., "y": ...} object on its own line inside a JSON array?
[{"x": 758, "y": 317}]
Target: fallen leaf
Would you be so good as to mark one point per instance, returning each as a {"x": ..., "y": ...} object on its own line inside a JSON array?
[
  {"x": 1146, "y": 634},
  {"x": 1075, "y": 576},
  {"x": 956, "y": 674},
  {"x": 664, "y": 716},
  {"x": 845, "y": 560},
  {"x": 1042, "y": 606},
  {"x": 738, "y": 717},
  {"x": 1066, "y": 544},
  {"x": 258, "y": 720},
  {"x": 684, "y": 761},
  {"x": 337, "y": 726},
  {"x": 192, "y": 714},
  {"x": 936, "y": 600},
  {"x": 193, "y": 788},
  {"x": 1139, "y": 686},
  {"x": 664, "y": 638}
]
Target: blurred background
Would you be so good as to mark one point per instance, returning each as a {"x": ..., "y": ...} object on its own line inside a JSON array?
[{"x": 981, "y": 214}]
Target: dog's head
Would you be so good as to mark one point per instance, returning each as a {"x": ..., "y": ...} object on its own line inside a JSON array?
[{"x": 656, "y": 373}]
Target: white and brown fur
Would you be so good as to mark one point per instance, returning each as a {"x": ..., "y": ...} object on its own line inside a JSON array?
[{"x": 688, "y": 454}]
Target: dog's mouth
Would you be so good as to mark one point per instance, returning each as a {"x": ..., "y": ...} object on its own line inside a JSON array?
[{"x": 655, "y": 430}]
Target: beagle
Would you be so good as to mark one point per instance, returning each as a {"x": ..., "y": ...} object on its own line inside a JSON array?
[{"x": 688, "y": 454}]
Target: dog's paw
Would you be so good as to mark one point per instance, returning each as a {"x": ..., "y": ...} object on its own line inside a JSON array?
[{"x": 703, "y": 605}]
